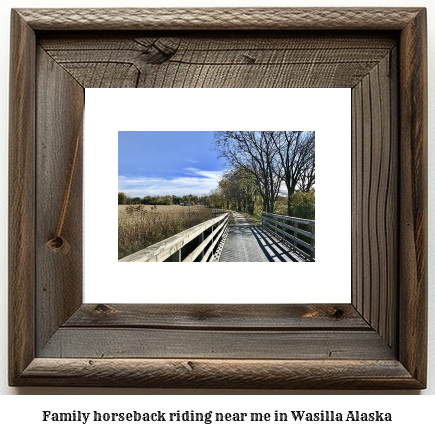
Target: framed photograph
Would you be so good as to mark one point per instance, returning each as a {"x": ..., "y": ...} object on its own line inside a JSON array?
[
  {"x": 161, "y": 172},
  {"x": 59, "y": 338}
]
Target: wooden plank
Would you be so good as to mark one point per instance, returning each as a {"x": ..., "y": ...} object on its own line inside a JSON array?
[
  {"x": 289, "y": 218},
  {"x": 219, "y": 18},
  {"x": 237, "y": 60},
  {"x": 21, "y": 271},
  {"x": 413, "y": 197},
  {"x": 291, "y": 237},
  {"x": 356, "y": 199},
  {"x": 378, "y": 43},
  {"x": 226, "y": 374},
  {"x": 376, "y": 207},
  {"x": 220, "y": 316},
  {"x": 375, "y": 198},
  {"x": 293, "y": 228},
  {"x": 268, "y": 76},
  {"x": 200, "y": 249},
  {"x": 94, "y": 342},
  {"x": 365, "y": 192},
  {"x": 183, "y": 50},
  {"x": 388, "y": 203},
  {"x": 392, "y": 225},
  {"x": 59, "y": 123}
]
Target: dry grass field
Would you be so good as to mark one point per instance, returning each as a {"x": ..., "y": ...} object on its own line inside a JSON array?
[{"x": 140, "y": 226}]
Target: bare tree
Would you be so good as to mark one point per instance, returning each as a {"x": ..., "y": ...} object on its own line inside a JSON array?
[
  {"x": 270, "y": 158},
  {"x": 255, "y": 153},
  {"x": 295, "y": 151},
  {"x": 308, "y": 177}
]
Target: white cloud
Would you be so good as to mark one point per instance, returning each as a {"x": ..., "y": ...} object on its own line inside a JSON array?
[{"x": 196, "y": 181}]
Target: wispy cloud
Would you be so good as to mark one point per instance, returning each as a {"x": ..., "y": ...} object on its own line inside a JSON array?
[{"x": 195, "y": 181}]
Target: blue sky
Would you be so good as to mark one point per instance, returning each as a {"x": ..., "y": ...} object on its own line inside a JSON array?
[{"x": 167, "y": 162}]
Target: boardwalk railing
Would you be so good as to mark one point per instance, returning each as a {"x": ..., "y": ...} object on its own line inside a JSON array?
[
  {"x": 220, "y": 212},
  {"x": 299, "y": 232},
  {"x": 207, "y": 236}
]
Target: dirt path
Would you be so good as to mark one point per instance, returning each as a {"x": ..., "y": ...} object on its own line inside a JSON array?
[{"x": 240, "y": 219}]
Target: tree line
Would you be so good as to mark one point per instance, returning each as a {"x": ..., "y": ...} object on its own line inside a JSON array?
[
  {"x": 261, "y": 163},
  {"x": 189, "y": 199}
]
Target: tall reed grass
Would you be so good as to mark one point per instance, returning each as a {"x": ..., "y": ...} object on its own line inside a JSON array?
[{"x": 141, "y": 226}]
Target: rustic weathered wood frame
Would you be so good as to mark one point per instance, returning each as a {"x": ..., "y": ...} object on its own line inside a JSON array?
[{"x": 377, "y": 341}]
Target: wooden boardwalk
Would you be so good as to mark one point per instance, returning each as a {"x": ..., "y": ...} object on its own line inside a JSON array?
[{"x": 249, "y": 243}]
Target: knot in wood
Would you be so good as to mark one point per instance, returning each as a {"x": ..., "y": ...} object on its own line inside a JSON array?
[
  {"x": 338, "y": 313},
  {"x": 58, "y": 244},
  {"x": 103, "y": 309}
]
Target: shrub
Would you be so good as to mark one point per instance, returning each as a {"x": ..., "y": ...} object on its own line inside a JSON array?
[{"x": 303, "y": 205}]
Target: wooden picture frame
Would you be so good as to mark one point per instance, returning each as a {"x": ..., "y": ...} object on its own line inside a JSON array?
[{"x": 376, "y": 342}]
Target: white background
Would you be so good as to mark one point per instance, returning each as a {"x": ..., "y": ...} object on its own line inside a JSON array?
[
  {"x": 24, "y": 412},
  {"x": 325, "y": 111}
]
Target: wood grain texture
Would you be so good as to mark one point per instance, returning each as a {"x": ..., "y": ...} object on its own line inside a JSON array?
[
  {"x": 250, "y": 374},
  {"x": 379, "y": 342},
  {"x": 127, "y": 342},
  {"x": 356, "y": 199},
  {"x": 413, "y": 198},
  {"x": 388, "y": 299},
  {"x": 60, "y": 105},
  {"x": 234, "y": 60},
  {"x": 220, "y": 317},
  {"x": 220, "y": 18},
  {"x": 375, "y": 160},
  {"x": 21, "y": 197}
]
